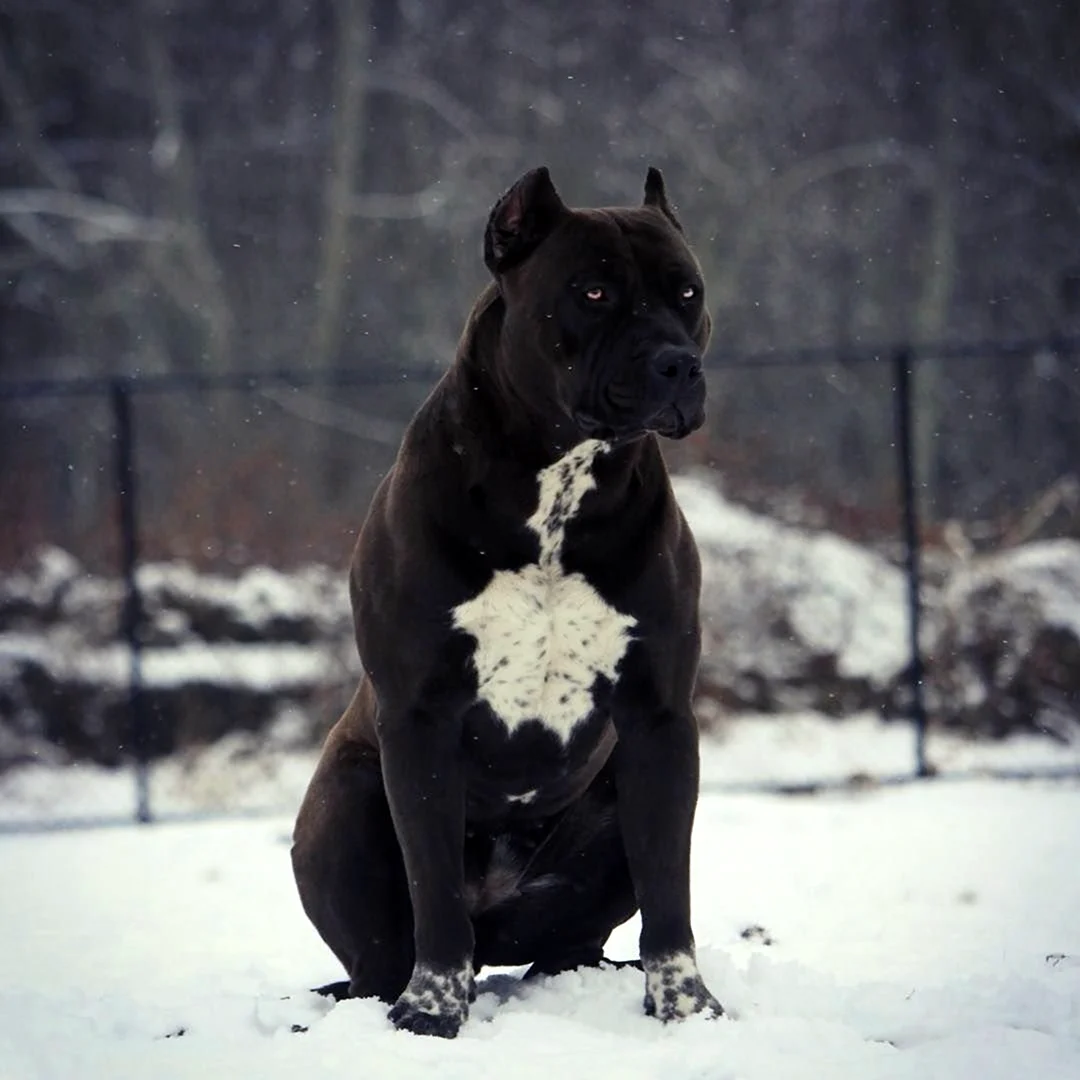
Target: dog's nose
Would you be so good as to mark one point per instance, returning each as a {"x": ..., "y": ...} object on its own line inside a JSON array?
[{"x": 675, "y": 366}]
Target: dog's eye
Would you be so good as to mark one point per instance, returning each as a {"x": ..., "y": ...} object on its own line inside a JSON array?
[
  {"x": 688, "y": 293},
  {"x": 595, "y": 295}
]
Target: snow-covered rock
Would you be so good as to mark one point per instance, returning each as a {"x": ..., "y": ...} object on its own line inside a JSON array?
[
  {"x": 36, "y": 593},
  {"x": 792, "y": 619},
  {"x": 261, "y": 605},
  {"x": 1008, "y": 656},
  {"x": 219, "y": 655}
]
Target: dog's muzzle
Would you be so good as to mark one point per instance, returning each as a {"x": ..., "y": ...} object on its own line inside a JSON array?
[
  {"x": 676, "y": 382},
  {"x": 669, "y": 400}
]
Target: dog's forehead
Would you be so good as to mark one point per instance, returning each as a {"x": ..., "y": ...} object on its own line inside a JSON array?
[{"x": 618, "y": 235}]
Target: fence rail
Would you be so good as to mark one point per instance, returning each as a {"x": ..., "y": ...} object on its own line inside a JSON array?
[
  {"x": 121, "y": 390},
  {"x": 372, "y": 371}
]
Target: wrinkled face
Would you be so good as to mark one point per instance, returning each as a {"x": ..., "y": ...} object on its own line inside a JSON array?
[{"x": 612, "y": 306}]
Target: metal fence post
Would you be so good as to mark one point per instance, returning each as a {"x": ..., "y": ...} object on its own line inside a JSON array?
[
  {"x": 132, "y": 617},
  {"x": 904, "y": 361}
]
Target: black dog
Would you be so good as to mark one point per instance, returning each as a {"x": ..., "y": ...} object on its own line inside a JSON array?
[{"x": 517, "y": 773}]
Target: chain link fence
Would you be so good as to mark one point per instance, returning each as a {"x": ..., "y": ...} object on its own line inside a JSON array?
[{"x": 274, "y": 469}]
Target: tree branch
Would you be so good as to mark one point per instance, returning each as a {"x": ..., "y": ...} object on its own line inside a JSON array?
[
  {"x": 328, "y": 414},
  {"x": 430, "y": 93},
  {"x": 20, "y": 108},
  {"x": 44, "y": 242},
  {"x": 99, "y": 220},
  {"x": 183, "y": 187},
  {"x": 352, "y": 36},
  {"x": 419, "y": 204},
  {"x": 869, "y": 155}
]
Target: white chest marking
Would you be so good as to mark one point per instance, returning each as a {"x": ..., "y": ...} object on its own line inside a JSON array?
[
  {"x": 543, "y": 635},
  {"x": 525, "y": 798}
]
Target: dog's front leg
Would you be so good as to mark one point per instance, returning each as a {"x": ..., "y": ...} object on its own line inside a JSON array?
[
  {"x": 657, "y": 781},
  {"x": 425, "y": 787}
]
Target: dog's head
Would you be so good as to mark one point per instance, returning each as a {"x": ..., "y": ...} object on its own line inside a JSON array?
[{"x": 605, "y": 314}]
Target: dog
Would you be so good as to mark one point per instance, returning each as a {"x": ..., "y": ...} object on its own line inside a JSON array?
[{"x": 517, "y": 773}]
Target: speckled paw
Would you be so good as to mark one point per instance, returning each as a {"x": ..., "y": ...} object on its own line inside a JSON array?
[
  {"x": 675, "y": 990},
  {"x": 436, "y": 1001}
]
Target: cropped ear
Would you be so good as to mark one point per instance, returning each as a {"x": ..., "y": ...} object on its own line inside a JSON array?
[
  {"x": 655, "y": 195},
  {"x": 520, "y": 220}
]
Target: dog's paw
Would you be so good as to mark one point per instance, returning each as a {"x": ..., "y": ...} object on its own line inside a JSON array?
[
  {"x": 675, "y": 990},
  {"x": 436, "y": 1001}
]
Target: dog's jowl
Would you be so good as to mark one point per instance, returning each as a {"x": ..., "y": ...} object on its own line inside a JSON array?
[{"x": 517, "y": 772}]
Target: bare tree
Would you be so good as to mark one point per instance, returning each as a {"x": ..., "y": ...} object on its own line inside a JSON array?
[
  {"x": 198, "y": 186},
  {"x": 347, "y": 129}
]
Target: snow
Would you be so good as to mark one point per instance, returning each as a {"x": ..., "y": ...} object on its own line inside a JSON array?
[
  {"x": 246, "y": 772},
  {"x": 256, "y": 597},
  {"x": 775, "y": 594},
  {"x": 874, "y": 933},
  {"x": 259, "y": 667},
  {"x": 1046, "y": 574},
  {"x": 52, "y": 570},
  {"x": 926, "y": 932},
  {"x": 804, "y": 749},
  {"x": 1010, "y": 640},
  {"x": 261, "y": 604}
]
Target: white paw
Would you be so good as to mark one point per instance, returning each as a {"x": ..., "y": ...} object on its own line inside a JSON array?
[
  {"x": 436, "y": 1001},
  {"x": 674, "y": 988}
]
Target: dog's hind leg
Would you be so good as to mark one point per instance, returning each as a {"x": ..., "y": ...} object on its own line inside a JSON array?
[{"x": 351, "y": 878}]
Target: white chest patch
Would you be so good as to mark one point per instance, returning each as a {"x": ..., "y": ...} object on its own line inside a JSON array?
[{"x": 543, "y": 635}]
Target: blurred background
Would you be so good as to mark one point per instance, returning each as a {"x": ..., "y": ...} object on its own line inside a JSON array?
[
  {"x": 191, "y": 186},
  {"x": 197, "y": 189}
]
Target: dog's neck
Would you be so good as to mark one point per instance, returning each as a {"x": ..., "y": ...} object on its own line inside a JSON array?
[{"x": 533, "y": 429}]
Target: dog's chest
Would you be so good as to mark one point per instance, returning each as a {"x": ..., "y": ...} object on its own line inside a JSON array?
[{"x": 544, "y": 636}]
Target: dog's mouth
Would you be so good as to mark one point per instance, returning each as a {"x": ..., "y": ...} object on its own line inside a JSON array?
[
  {"x": 673, "y": 423},
  {"x": 670, "y": 422},
  {"x": 615, "y": 434}
]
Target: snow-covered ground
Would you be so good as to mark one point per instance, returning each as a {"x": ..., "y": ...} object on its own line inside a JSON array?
[
  {"x": 926, "y": 932},
  {"x": 244, "y": 772},
  {"x": 874, "y": 933}
]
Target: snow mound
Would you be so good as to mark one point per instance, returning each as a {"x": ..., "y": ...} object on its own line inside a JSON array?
[
  {"x": 1008, "y": 656},
  {"x": 219, "y": 655},
  {"x": 792, "y": 619},
  {"x": 260, "y": 605}
]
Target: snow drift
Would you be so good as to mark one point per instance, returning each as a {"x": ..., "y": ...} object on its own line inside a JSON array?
[{"x": 792, "y": 620}]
